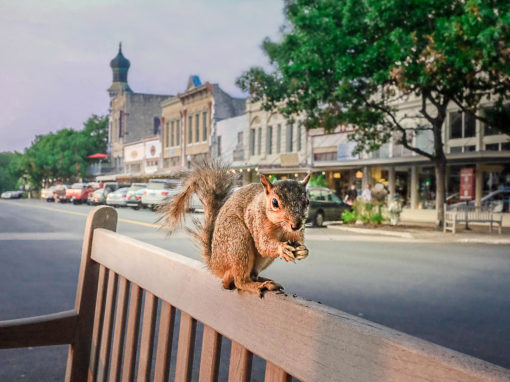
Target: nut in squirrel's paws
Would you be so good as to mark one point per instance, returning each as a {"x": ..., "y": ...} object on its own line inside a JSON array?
[
  {"x": 299, "y": 250},
  {"x": 286, "y": 252}
]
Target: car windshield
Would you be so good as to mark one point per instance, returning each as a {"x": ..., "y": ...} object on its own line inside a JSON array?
[
  {"x": 136, "y": 187},
  {"x": 121, "y": 191}
]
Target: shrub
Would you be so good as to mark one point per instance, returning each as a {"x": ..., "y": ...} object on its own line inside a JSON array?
[{"x": 349, "y": 216}]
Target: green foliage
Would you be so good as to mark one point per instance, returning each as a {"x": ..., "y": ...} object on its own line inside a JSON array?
[
  {"x": 8, "y": 177},
  {"x": 318, "y": 180},
  {"x": 63, "y": 155},
  {"x": 349, "y": 216},
  {"x": 351, "y": 62}
]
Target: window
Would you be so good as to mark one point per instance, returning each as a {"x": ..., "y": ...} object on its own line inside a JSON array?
[
  {"x": 240, "y": 138},
  {"x": 269, "y": 140},
  {"x": 505, "y": 146},
  {"x": 178, "y": 132},
  {"x": 172, "y": 130},
  {"x": 167, "y": 133},
  {"x": 299, "y": 127},
  {"x": 197, "y": 127},
  {"x": 278, "y": 138},
  {"x": 121, "y": 124},
  {"x": 462, "y": 125},
  {"x": 469, "y": 148},
  {"x": 259, "y": 142},
  {"x": 156, "y": 125},
  {"x": 204, "y": 126},
  {"x": 190, "y": 129},
  {"x": 290, "y": 130},
  {"x": 492, "y": 147},
  {"x": 318, "y": 157},
  {"x": 252, "y": 141},
  {"x": 456, "y": 149},
  {"x": 219, "y": 145}
]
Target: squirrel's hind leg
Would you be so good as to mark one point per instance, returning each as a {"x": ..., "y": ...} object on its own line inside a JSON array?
[{"x": 257, "y": 287}]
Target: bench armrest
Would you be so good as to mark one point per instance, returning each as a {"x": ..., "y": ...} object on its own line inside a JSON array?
[{"x": 51, "y": 329}]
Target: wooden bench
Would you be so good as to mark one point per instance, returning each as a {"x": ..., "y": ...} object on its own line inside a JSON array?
[
  {"x": 470, "y": 214},
  {"x": 112, "y": 337}
]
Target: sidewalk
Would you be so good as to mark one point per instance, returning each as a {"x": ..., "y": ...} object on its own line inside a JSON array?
[{"x": 426, "y": 231}]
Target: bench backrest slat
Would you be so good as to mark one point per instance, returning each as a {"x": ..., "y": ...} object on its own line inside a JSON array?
[
  {"x": 210, "y": 357},
  {"x": 185, "y": 348},
  {"x": 98, "y": 321},
  {"x": 106, "y": 333},
  {"x": 120, "y": 327},
  {"x": 276, "y": 374},
  {"x": 240, "y": 363},
  {"x": 150, "y": 309},
  {"x": 131, "y": 340},
  {"x": 165, "y": 338}
]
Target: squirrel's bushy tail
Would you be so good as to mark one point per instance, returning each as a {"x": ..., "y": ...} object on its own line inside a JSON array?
[{"x": 212, "y": 182}]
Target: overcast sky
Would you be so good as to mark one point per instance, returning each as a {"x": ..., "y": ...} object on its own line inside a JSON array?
[{"x": 55, "y": 55}]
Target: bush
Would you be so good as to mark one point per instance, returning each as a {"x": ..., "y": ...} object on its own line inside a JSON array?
[
  {"x": 349, "y": 216},
  {"x": 368, "y": 212}
]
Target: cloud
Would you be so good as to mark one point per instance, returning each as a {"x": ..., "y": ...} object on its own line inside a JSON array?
[{"x": 55, "y": 69}]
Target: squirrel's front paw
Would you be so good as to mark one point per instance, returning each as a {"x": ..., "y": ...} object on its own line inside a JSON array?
[
  {"x": 300, "y": 252},
  {"x": 286, "y": 252}
]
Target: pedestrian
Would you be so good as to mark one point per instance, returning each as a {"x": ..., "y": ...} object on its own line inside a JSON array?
[
  {"x": 351, "y": 195},
  {"x": 367, "y": 194}
]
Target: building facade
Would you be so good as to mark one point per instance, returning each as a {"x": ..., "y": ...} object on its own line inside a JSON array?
[{"x": 190, "y": 120}]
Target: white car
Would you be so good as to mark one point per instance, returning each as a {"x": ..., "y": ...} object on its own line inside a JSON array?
[
  {"x": 158, "y": 190},
  {"x": 117, "y": 198},
  {"x": 12, "y": 194}
]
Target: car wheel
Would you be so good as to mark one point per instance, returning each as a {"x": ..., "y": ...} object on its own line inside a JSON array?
[
  {"x": 136, "y": 208},
  {"x": 319, "y": 219}
]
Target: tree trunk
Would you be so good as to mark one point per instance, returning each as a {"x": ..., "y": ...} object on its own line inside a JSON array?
[{"x": 440, "y": 170}]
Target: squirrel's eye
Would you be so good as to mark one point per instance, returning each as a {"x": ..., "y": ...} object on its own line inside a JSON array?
[{"x": 275, "y": 203}]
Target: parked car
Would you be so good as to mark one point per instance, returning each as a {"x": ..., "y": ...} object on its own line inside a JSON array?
[
  {"x": 99, "y": 196},
  {"x": 158, "y": 190},
  {"x": 497, "y": 201},
  {"x": 12, "y": 194},
  {"x": 134, "y": 195},
  {"x": 77, "y": 193},
  {"x": 325, "y": 205},
  {"x": 47, "y": 193},
  {"x": 117, "y": 198},
  {"x": 59, "y": 194}
]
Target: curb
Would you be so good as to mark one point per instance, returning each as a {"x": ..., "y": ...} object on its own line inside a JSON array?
[{"x": 368, "y": 231}]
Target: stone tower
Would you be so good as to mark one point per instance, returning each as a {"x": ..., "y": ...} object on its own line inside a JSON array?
[{"x": 120, "y": 66}]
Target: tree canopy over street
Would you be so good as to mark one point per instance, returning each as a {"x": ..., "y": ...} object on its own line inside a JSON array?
[
  {"x": 62, "y": 155},
  {"x": 353, "y": 62}
]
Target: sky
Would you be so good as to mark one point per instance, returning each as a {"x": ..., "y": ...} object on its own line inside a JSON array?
[{"x": 55, "y": 54}]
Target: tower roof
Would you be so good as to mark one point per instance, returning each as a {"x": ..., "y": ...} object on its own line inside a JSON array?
[{"x": 120, "y": 61}]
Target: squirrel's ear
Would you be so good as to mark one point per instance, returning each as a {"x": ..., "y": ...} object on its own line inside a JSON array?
[
  {"x": 266, "y": 183},
  {"x": 304, "y": 182}
]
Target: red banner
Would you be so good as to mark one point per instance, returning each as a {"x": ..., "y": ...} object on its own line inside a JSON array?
[{"x": 467, "y": 184}]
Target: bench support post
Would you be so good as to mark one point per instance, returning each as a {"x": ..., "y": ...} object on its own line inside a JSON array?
[{"x": 79, "y": 350}]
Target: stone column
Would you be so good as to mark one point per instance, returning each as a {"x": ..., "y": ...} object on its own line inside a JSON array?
[
  {"x": 478, "y": 185},
  {"x": 391, "y": 184},
  {"x": 365, "y": 181},
  {"x": 414, "y": 187}
]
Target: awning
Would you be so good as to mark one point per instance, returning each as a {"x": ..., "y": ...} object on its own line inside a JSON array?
[{"x": 97, "y": 156}]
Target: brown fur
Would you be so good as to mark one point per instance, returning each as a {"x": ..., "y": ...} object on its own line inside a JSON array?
[{"x": 243, "y": 233}]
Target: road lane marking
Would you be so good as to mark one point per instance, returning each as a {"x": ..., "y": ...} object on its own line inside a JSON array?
[{"x": 129, "y": 221}]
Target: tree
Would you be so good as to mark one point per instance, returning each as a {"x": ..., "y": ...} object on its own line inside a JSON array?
[
  {"x": 354, "y": 62},
  {"x": 7, "y": 177},
  {"x": 63, "y": 155}
]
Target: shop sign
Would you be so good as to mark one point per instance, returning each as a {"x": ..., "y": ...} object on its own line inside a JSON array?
[
  {"x": 467, "y": 183},
  {"x": 289, "y": 159},
  {"x": 152, "y": 149},
  {"x": 345, "y": 150},
  {"x": 133, "y": 153}
]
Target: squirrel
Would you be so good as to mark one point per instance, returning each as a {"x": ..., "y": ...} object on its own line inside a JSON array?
[{"x": 243, "y": 231}]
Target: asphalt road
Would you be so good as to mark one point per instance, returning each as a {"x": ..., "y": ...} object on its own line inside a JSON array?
[{"x": 454, "y": 295}]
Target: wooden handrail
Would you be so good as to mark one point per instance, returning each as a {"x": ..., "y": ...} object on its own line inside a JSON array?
[{"x": 50, "y": 329}]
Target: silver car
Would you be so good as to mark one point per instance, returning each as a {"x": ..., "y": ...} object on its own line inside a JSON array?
[
  {"x": 158, "y": 190},
  {"x": 117, "y": 198}
]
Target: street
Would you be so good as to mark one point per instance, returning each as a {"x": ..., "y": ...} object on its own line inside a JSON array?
[{"x": 455, "y": 295}]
